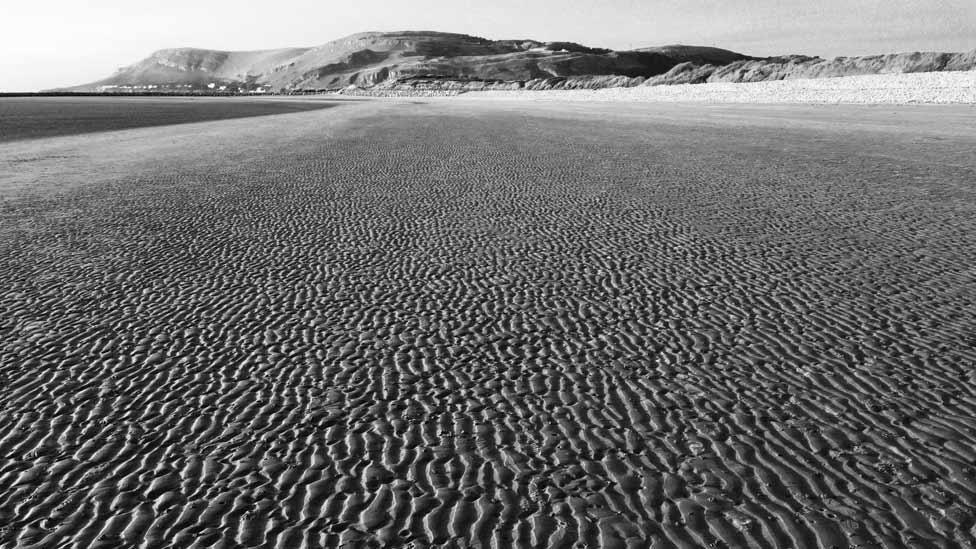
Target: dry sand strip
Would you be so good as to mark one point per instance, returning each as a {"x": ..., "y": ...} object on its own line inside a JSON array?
[
  {"x": 931, "y": 87},
  {"x": 490, "y": 324}
]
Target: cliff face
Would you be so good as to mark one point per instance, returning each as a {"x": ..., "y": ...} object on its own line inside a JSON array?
[{"x": 433, "y": 60}]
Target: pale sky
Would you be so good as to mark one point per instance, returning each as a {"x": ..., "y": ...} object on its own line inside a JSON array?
[{"x": 51, "y": 43}]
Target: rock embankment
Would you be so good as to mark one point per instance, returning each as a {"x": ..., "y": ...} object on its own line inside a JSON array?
[
  {"x": 800, "y": 66},
  {"x": 435, "y": 87},
  {"x": 379, "y": 92}
]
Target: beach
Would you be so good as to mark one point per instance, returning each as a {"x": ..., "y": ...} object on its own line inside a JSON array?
[{"x": 468, "y": 322}]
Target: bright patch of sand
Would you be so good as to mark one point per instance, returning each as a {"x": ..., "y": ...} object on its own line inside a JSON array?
[{"x": 929, "y": 87}]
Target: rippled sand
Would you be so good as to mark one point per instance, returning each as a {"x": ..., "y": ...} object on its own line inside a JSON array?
[{"x": 477, "y": 324}]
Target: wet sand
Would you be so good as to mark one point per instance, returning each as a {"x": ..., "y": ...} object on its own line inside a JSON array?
[
  {"x": 950, "y": 87},
  {"x": 36, "y": 117},
  {"x": 475, "y": 324}
]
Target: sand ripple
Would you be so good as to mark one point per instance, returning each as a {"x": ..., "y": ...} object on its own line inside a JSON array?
[{"x": 473, "y": 331}]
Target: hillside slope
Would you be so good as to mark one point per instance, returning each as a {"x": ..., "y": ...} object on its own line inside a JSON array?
[
  {"x": 443, "y": 61},
  {"x": 371, "y": 58},
  {"x": 196, "y": 68}
]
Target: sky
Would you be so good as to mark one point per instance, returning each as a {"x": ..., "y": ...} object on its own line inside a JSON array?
[{"x": 51, "y": 43}]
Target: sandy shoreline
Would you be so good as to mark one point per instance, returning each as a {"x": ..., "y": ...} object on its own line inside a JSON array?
[{"x": 929, "y": 88}]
